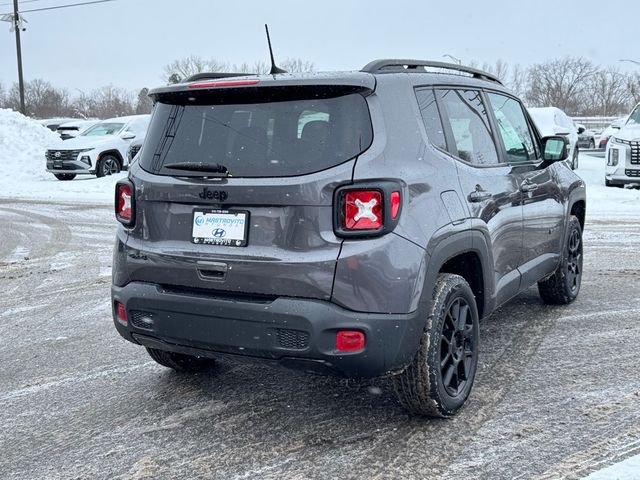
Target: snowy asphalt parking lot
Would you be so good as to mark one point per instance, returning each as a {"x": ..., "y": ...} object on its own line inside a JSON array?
[{"x": 557, "y": 393}]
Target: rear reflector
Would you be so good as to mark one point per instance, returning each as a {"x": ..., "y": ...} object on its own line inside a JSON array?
[
  {"x": 121, "y": 314},
  {"x": 362, "y": 210},
  {"x": 124, "y": 203},
  {"x": 349, "y": 341},
  {"x": 395, "y": 204},
  {"x": 223, "y": 83}
]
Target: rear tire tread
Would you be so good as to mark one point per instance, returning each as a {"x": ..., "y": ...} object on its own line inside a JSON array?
[{"x": 416, "y": 387}]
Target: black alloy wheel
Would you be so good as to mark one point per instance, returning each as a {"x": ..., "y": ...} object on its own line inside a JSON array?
[{"x": 457, "y": 347}]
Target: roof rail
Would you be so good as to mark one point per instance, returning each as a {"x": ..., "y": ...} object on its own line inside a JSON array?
[
  {"x": 213, "y": 75},
  {"x": 389, "y": 65}
]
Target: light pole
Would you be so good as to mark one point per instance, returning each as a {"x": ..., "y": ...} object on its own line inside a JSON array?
[
  {"x": 455, "y": 59},
  {"x": 17, "y": 24}
]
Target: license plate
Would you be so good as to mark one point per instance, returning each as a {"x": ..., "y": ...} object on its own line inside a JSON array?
[
  {"x": 220, "y": 227},
  {"x": 57, "y": 164}
]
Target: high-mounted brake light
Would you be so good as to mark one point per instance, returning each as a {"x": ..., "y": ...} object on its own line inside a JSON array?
[
  {"x": 363, "y": 210},
  {"x": 223, "y": 83},
  {"x": 124, "y": 203}
]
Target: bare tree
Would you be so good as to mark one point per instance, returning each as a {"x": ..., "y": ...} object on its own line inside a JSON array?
[
  {"x": 178, "y": 70},
  {"x": 560, "y": 83},
  {"x": 633, "y": 87},
  {"x": 182, "y": 68},
  {"x": 105, "y": 102},
  {"x": 41, "y": 99},
  {"x": 517, "y": 81},
  {"x": 144, "y": 103},
  {"x": 607, "y": 93}
]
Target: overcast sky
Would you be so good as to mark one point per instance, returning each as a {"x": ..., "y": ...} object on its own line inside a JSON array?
[{"x": 127, "y": 42}]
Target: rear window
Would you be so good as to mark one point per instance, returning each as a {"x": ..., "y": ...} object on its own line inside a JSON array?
[{"x": 264, "y": 138}]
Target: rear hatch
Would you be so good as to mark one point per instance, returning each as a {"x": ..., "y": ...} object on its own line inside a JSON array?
[{"x": 235, "y": 182}]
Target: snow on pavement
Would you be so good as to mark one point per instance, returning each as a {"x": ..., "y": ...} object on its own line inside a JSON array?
[{"x": 628, "y": 469}]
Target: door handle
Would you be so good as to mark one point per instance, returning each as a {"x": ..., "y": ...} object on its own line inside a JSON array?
[
  {"x": 528, "y": 186},
  {"x": 479, "y": 195}
]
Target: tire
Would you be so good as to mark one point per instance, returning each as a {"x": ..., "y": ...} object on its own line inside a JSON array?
[
  {"x": 64, "y": 176},
  {"x": 180, "y": 362},
  {"x": 564, "y": 285},
  {"x": 592, "y": 144},
  {"x": 108, "y": 165},
  {"x": 427, "y": 385}
]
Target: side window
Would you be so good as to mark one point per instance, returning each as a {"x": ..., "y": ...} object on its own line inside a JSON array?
[
  {"x": 431, "y": 117},
  {"x": 467, "y": 117},
  {"x": 514, "y": 129}
]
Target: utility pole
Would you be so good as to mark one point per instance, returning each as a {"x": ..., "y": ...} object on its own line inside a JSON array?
[{"x": 17, "y": 24}]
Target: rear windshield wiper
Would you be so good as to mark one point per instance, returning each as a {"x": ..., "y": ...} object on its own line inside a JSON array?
[{"x": 199, "y": 167}]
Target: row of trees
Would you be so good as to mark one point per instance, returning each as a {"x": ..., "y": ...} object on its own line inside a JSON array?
[
  {"x": 574, "y": 84},
  {"x": 43, "y": 100}
]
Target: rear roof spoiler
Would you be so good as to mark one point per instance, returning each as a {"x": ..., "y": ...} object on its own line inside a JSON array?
[{"x": 355, "y": 81}]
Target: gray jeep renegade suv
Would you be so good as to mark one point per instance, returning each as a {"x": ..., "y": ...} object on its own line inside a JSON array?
[{"x": 357, "y": 224}]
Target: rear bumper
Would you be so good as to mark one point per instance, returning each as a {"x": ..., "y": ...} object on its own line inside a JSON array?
[{"x": 293, "y": 332}]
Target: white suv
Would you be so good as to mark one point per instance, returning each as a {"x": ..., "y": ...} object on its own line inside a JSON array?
[
  {"x": 100, "y": 150},
  {"x": 623, "y": 153}
]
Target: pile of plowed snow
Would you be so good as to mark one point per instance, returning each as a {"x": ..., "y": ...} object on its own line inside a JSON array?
[
  {"x": 23, "y": 142},
  {"x": 23, "y": 173}
]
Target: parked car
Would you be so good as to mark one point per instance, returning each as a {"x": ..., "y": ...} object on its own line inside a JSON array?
[
  {"x": 53, "y": 123},
  {"x": 586, "y": 138},
  {"x": 623, "y": 153},
  {"x": 100, "y": 150},
  {"x": 134, "y": 149},
  {"x": 610, "y": 130},
  {"x": 553, "y": 121},
  {"x": 357, "y": 224},
  {"x": 73, "y": 129}
]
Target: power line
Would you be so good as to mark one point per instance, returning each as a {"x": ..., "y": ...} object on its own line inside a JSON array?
[
  {"x": 64, "y": 6},
  {"x": 21, "y": 1}
]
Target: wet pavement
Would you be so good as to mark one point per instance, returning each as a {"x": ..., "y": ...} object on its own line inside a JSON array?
[{"x": 557, "y": 393}]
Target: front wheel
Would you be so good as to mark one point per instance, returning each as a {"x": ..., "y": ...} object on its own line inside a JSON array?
[
  {"x": 64, "y": 176},
  {"x": 108, "y": 165},
  {"x": 439, "y": 379},
  {"x": 592, "y": 144},
  {"x": 180, "y": 362},
  {"x": 563, "y": 286}
]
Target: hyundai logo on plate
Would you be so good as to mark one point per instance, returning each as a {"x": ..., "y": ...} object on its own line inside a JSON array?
[{"x": 219, "y": 232}]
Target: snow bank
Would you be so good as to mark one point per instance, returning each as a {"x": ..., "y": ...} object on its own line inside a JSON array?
[{"x": 23, "y": 173}]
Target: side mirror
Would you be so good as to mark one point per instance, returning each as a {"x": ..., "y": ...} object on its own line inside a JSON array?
[
  {"x": 554, "y": 148},
  {"x": 127, "y": 135},
  {"x": 580, "y": 130}
]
